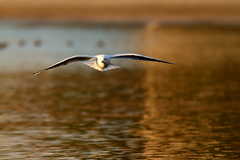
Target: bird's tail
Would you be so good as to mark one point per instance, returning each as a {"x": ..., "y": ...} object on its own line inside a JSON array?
[
  {"x": 94, "y": 65},
  {"x": 111, "y": 66}
]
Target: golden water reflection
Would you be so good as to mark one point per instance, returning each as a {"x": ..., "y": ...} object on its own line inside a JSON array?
[
  {"x": 154, "y": 111},
  {"x": 192, "y": 108}
]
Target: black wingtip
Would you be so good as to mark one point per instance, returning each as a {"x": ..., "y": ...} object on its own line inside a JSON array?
[
  {"x": 38, "y": 72},
  {"x": 170, "y": 63}
]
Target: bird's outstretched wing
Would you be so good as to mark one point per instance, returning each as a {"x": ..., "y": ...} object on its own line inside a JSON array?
[
  {"x": 134, "y": 56},
  {"x": 67, "y": 61}
]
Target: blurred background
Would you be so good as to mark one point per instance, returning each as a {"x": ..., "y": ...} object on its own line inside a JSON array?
[
  {"x": 138, "y": 10},
  {"x": 143, "y": 110}
]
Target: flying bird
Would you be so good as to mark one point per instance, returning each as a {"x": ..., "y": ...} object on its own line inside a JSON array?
[{"x": 101, "y": 62}]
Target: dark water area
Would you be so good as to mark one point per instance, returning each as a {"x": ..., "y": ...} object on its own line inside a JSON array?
[{"x": 141, "y": 111}]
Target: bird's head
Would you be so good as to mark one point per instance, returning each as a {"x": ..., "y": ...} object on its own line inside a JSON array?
[{"x": 104, "y": 60}]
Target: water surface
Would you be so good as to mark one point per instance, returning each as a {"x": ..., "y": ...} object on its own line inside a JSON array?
[{"x": 141, "y": 111}]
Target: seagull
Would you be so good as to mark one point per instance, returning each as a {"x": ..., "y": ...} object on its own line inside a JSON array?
[{"x": 101, "y": 62}]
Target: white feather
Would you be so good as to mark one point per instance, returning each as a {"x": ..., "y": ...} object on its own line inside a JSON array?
[
  {"x": 110, "y": 67},
  {"x": 94, "y": 65}
]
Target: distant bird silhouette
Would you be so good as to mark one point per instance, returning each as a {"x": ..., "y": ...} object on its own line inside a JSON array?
[{"x": 101, "y": 62}]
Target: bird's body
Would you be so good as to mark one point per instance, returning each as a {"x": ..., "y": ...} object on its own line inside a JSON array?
[{"x": 101, "y": 62}]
